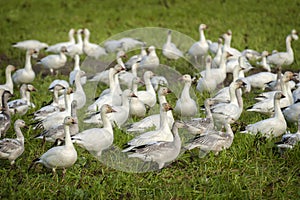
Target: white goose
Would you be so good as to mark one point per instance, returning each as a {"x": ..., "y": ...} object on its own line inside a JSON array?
[
  {"x": 21, "y": 106},
  {"x": 162, "y": 134},
  {"x": 9, "y": 85},
  {"x": 217, "y": 58},
  {"x": 227, "y": 45},
  {"x": 151, "y": 60},
  {"x": 271, "y": 127},
  {"x": 289, "y": 140},
  {"x": 137, "y": 107},
  {"x": 60, "y": 157},
  {"x": 260, "y": 79},
  {"x": 148, "y": 96},
  {"x": 199, "y": 49},
  {"x": 30, "y": 44},
  {"x": 11, "y": 149},
  {"x": 160, "y": 152},
  {"x": 185, "y": 105},
  {"x": 57, "y": 132},
  {"x": 25, "y": 75},
  {"x": 233, "y": 109},
  {"x": 57, "y": 47},
  {"x": 95, "y": 140},
  {"x": 55, "y": 61},
  {"x": 153, "y": 120},
  {"x": 170, "y": 50},
  {"x": 5, "y": 114},
  {"x": 208, "y": 82},
  {"x": 77, "y": 48},
  {"x": 214, "y": 141},
  {"x": 75, "y": 70},
  {"x": 91, "y": 49},
  {"x": 57, "y": 118},
  {"x": 284, "y": 58}
]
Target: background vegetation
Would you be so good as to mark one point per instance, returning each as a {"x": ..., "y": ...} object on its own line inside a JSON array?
[{"x": 250, "y": 169}]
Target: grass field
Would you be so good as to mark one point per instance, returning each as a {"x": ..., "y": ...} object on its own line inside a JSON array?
[{"x": 250, "y": 169}]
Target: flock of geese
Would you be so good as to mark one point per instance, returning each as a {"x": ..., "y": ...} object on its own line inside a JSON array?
[{"x": 158, "y": 139}]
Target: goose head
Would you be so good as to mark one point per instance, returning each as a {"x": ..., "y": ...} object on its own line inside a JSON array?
[
  {"x": 294, "y": 34},
  {"x": 33, "y": 52},
  {"x": 31, "y": 88},
  {"x": 63, "y": 49},
  {"x": 10, "y": 68},
  {"x": 278, "y": 95},
  {"x": 20, "y": 123},
  {"x": 202, "y": 27},
  {"x": 69, "y": 121},
  {"x": 107, "y": 109},
  {"x": 164, "y": 91},
  {"x": 166, "y": 107}
]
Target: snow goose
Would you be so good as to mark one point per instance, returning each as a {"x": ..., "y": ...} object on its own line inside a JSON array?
[
  {"x": 267, "y": 106},
  {"x": 147, "y": 96},
  {"x": 58, "y": 82},
  {"x": 271, "y": 127},
  {"x": 121, "y": 115},
  {"x": 77, "y": 48},
  {"x": 95, "y": 140},
  {"x": 284, "y": 58},
  {"x": 25, "y": 75},
  {"x": 9, "y": 85},
  {"x": 153, "y": 120},
  {"x": 289, "y": 140},
  {"x": 170, "y": 50},
  {"x": 200, "y": 48},
  {"x": 227, "y": 45},
  {"x": 57, "y": 132},
  {"x": 214, "y": 141},
  {"x": 56, "y": 61},
  {"x": 5, "y": 114},
  {"x": 231, "y": 110},
  {"x": 112, "y": 97},
  {"x": 208, "y": 82},
  {"x": 91, "y": 49},
  {"x": 202, "y": 125},
  {"x": 160, "y": 152},
  {"x": 21, "y": 106},
  {"x": 60, "y": 157},
  {"x": 260, "y": 79},
  {"x": 30, "y": 44},
  {"x": 137, "y": 107},
  {"x": 185, "y": 105},
  {"x": 57, "y": 118},
  {"x": 242, "y": 61},
  {"x": 217, "y": 58},
  {"x": 151, "y": 60},
  {"x": 75, "y": 70},
  {"x": 57, "y": 47},
  {"x": 11, "y": 149},
  {"x": 263, "y": 63},
  {"x": 162, "y": 134},
  {"x": 219, "y": 74}
]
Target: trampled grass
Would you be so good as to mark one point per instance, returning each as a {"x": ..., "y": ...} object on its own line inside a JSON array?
[{"x": 250, "y": 169}]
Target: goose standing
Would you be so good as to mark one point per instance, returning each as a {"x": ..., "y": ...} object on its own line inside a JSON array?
[
  {"x": 151, "y": 60},
  {"x": 271, "y": 127},
  {"x": 91, "y": 49},
  {"x": 170, "y": 50},
  {"x": 284, "y": 58},
  {"x": 57, "y": 47},
  {"x": 217, "y": 58},
  {"x": 208, "y": 82},
  {"x": 55, "y": 62},
  {"x": 5, "y": 114},
  {"x": 9, "y": 85},
  {"x": 95, "y": 140},
  {"x": 199, "y": 49},
  {"x": 162, "y": 134},
  {"x": 147, "y": 96},
  {"x": 160, "y": 152},
  {"x": 185, "y": 105},
  {"x": 30, "y": 44},
  {"x": 21, "y": 106},
  {"x": 11, "y": 149},
  {"x": 77, "y": 48},
  {"x": 25, "y": 75},
  {"x": 214, "y": 141},
  {"x": 227, "y": 45},
  {"x": 75, "y": 70},
  {"x": 153, "y": 120},
  {"x": 60, "y": 157}
]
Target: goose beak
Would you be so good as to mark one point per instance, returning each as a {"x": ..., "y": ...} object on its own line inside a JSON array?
[{"x": 133, "y": 95}]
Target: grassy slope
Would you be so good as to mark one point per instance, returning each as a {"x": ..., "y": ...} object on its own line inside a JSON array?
[{"x": 248, "y": 170}]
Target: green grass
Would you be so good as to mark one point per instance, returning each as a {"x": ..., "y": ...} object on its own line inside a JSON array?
[{"x": 250, "y": 169}]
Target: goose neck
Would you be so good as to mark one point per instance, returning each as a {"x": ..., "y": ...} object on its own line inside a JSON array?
[
  {"x": 28, "y": 66},
  {"x": 19, "y": 133},
  {"x": 106, "y": 122},
  {"x": 8, "y": 78},
  {"x": 186, "y": 91},
  {"x": 28, "y": 98},
  {"x": 68, "y": 141},
  {"x": 233, "y": 97},
  {"x": 202, "y": 36},
  {"x": 278, "y": 114},
  {"x": 288, "y": 44}
]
